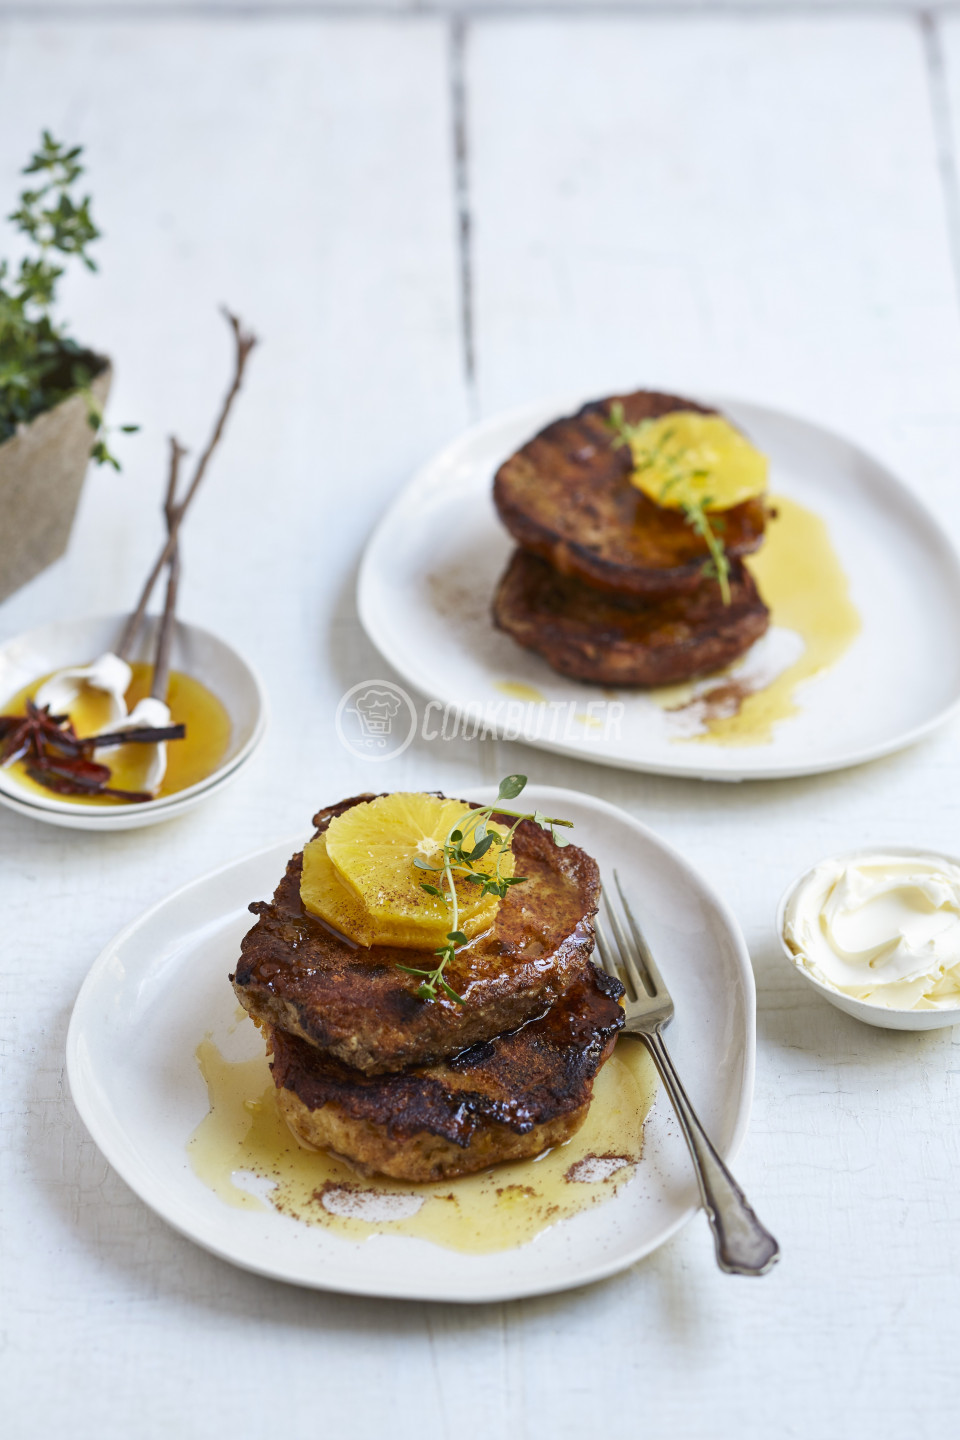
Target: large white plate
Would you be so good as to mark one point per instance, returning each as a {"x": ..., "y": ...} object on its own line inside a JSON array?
[
  {"x": 162, "y": 983},
  {"x": 432, "y": 564}
]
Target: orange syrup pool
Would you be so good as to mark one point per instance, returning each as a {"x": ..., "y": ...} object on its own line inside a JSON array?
[{"x": 189, "y": 760}]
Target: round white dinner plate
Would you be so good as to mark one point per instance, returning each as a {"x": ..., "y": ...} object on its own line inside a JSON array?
[
  {"x": 161, "y": 985},
  {"x": 194, "y": 651},
  {"x": 431, "y": 567}
]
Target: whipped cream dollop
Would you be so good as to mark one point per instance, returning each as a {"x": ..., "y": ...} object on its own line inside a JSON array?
[
  {"x": 881, "y": 928},
  {"x": 111, "y": 676},
  {"x": 150, "y": 759},
  {"x": 108, "y": 674}
]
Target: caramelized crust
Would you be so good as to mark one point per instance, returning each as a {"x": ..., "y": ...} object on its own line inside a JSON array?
[
  {"x": 298, "y": 974},
  {"x": 612, "y": 640},
  {"x": 566, "y": 496},
  {"x": 504, "y": 1099}
]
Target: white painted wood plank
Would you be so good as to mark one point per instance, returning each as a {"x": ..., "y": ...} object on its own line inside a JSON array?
[
  {"x": 303, "y": 173},
  {"x": 752, "y": 208},
  {"x": 945, "y": 56},
  {"x": 695, "y": 9},
  {"x": 341, "y": 134},
  {"x": 755, "y": 208}
]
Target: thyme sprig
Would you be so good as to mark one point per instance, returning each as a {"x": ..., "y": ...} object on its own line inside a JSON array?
[
  {"x": 467, "y": 841},
  {"x": 40, "y": 364},
  {"x": 710, "y": 529}
]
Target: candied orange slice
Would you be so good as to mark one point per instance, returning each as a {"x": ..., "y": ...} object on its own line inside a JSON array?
[
  {"x": 684, "y": 458},
  {"x": 360, "y": 874}
]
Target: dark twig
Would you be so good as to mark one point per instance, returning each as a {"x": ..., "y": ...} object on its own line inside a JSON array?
[
  {"x": 177, "y": 452},
  {"x": 161, "y": 663},
  {"x": 244, "y": 341}
]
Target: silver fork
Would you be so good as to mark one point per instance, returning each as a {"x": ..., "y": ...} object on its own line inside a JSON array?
[{"x": 742, "y": 1244}]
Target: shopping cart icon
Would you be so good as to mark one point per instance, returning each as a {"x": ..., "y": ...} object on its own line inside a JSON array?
[
  {"x": 382, "y": 720},
  {"x": 376, "y": 711}
]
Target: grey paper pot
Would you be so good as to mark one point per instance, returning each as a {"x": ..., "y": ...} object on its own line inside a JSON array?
[{"x": 41, "y": 475}]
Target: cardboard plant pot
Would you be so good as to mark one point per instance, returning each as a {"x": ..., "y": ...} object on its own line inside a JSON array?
[{"x": 41, "y": 475}]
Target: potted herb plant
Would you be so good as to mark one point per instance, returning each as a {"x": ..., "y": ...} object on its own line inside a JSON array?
[{"x": 52, "y": 389}]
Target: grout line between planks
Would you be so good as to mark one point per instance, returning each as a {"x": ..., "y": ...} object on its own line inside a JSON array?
[
  {"x": 227, "y": 10},
  {"x": 461, "y": 186},
  {"x": 943, "y": 135}
]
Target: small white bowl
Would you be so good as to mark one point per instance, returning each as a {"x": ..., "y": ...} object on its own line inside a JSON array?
[
  {"x": 121, "y": 817},
  {"x": 194, "y": 651},
  {"x": 879, "y": 1015}
]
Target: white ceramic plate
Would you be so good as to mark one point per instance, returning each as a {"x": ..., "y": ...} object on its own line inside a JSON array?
[
  {"x": 194, "y": 651},
  {"x": 163, "y": 980},
  {"x": 431, "y": 567}
]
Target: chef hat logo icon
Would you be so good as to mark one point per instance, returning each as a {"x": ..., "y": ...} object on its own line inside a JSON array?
[
  {"x": 376, "y": 720},
  {"x": 377, "y": 710}
]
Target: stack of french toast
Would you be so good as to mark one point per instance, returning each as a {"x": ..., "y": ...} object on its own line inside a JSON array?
[
  {"x": 615, "y": 579},
  {"x": 413, "y": 1078}
]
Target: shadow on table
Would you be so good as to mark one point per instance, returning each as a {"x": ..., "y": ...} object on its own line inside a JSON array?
[{"x": 791, "y": 1016}]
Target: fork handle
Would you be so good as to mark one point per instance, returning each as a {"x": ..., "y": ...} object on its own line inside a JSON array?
[{"x": 742, "y": 1244}]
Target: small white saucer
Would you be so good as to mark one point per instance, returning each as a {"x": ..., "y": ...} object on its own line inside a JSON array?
[
  {"x": 883, "y": 1017},
  {"x": 195, "y": 652}
]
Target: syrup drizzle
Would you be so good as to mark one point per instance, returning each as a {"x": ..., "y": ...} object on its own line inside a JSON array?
[
  {"x": 244, "y": 1152},
  {"x": 799, "y": 575}
]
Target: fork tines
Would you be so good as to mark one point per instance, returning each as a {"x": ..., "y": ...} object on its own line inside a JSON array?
[{"x": 627, "y": 956}]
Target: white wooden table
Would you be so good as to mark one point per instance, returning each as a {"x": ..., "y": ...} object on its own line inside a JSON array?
[{"x": 428, "y": 218}]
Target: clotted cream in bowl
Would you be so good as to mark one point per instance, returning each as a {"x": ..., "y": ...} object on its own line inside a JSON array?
[{"x": 877, "y": 932}]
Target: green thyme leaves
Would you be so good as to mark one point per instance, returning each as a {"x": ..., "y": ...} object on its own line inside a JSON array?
[
  {"x": 40, "y": 365},
  {"x": 660, "y": 459},
  {"x": 467, "y": 842}
]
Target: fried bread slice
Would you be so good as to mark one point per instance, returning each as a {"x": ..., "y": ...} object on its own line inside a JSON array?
[
  {"x": 566, "y": 496},
  {"x": 504, "y": 1099},
  {"x": 297, "y": 973},
  {"x": 610, "y": 640}
]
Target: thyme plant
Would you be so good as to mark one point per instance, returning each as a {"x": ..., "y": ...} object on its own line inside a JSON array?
[{"x": 40, "y": 364}]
